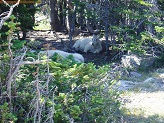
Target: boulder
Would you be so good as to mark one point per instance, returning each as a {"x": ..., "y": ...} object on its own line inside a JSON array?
[
  {"x": 130, "y": 61},
  {"x": 123, "y": 85},
  {"x": 147, "y": 61},
  {"x": 135, "y": 74},
  {"x": 134, "y": 62}
]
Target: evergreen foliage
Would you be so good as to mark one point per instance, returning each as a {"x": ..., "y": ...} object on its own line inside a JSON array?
[{"x": 60, "y": 91}]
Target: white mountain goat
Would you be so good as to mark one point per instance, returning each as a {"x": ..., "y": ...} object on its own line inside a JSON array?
[
  {"x": 77, "y": 57},
  {"x": 88, "y": 44}
]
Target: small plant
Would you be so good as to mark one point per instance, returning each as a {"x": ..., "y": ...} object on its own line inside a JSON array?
[
  {"x": 5, "y": 115},
  {"x": 159, "y": 62},
  {"x": 76, "y": 92},
  {"x": 34, "y": 44},
  {"x": 17, "y": 44}
]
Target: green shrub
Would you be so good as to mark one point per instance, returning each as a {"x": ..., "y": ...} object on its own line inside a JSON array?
[
  {"x": 78, "y": 89},
  {"x": 159, "y": 62},
  {"x": 5, "y": 115}
]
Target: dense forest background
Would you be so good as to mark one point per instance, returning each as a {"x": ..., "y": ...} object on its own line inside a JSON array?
[{"x": 34, "y": 88}]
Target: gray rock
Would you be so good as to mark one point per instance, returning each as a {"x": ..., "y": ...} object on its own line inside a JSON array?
[
  {"x": 123, "y": 85},
  {"x": 161, "y": 75},
  {"x": 32, "y": 51},
  {"x": 130, "y": 61},
  {"x": 148, "y": 80},
  {"x": 134, "y": 62},
  {"x": 135, "y": 74},
  {"x": 147, "y": 61}
]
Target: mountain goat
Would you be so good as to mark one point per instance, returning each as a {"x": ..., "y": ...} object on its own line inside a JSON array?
[
  {"x": 88, "y": 44},
  {"x": 77, "y": 57}
]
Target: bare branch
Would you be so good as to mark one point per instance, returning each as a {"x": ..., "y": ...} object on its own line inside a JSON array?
[
  {"x": 34, "y": 62},
  {"x": 3, "y": 19},
  {"x": 5, "y": 3},
  {"x": 91, "y": 30}
]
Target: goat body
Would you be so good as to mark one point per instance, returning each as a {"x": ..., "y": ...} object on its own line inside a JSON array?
[
  {"x": 88, "y": 44},
  {"x": 77, "y": 57}
]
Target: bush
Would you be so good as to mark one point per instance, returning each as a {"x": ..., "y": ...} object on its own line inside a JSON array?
[
  {"x": 62, "y": 91},
  {"x": 5, "y": 114}
]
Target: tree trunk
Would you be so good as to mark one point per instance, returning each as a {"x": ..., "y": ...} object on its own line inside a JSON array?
[
  {"x": 106, "y": 38},
  {"x": 55, "y": 23},
  {"x": 61, "y": 14}
]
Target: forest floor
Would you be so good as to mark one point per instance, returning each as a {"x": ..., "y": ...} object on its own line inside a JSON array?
[{"x": 143, "y": 103}]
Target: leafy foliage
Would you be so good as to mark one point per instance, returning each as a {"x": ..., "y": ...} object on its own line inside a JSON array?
[
  {"x": 8, "y": 29},
  {"x": 24, "y": 18},
  {"x": 78, "y": 92},
  {"x": 5, "y": 114}
]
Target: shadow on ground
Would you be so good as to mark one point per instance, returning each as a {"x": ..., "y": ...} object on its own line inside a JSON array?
[{"x": 140, "y": 119}]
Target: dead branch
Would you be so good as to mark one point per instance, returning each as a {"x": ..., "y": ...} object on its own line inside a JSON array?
[
  {"x": 33, "y": 62},
  {"x": 13, "y": 70},
  {"x": 15, "y": 64},
  {"x": 41, "y": 90},
  {"x": 8, "y": 14}
]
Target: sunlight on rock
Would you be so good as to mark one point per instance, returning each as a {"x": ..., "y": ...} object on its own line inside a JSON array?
[{"x": 161, "y": 75}]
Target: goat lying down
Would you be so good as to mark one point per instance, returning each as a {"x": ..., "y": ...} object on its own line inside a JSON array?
[
  {"x": 77, "y": 57},
  {"x": 88, "y": 44}
]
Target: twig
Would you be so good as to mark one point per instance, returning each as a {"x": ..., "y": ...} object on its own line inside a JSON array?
[{"x": 9, "y": 13}]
